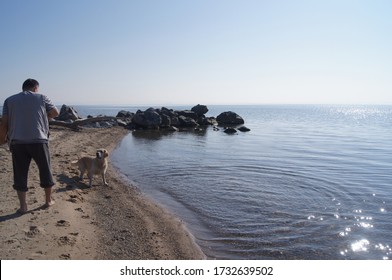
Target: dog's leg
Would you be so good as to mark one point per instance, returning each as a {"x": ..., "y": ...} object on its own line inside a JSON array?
[
  {"x": 104, "y": 179},
  {"x": 91, "y": 181},
  {"x": 82, "y": 170},
  {"x": 90, "y": 175}
]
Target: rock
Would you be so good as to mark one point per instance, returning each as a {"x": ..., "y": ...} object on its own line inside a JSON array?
[
  {"x": 153, "y": 117},
  {"x": 124, "y": 114},
  {"x": 230, "y": 130},
  {"x": 243, "y": 129},
  {"x": 175, "y": 121},
  {"x": 187, "y": 121},
  {"x": 139, "y": 118},
  {"x": 147, "y": 119},
  {"x": 106, "y": 124},
  {"x": 172, "y": 129},
  {"x": 131, "y": 126},
  {"x": 212, "y": 120},
  {"x": 188, "y": 114},
  {"x": 168, "y": 112},
  {"x": 166, "y": 121},
  {"x": 200, "y": 109},
  {"x": 68, "y": 113},
  {"x": 229, "y": 118},
  {"x": 203, "y": 120},
  {"x": 121, "y": 123}
]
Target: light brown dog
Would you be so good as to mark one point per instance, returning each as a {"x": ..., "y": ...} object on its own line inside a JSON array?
[{"x": 93, "y": 166}]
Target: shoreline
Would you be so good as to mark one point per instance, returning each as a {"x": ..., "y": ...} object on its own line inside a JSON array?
[{"x": 98, "y": 223}]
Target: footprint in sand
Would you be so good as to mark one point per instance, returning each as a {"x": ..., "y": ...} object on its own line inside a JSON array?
[
  {"x": 65, "y": 256},
  {"x": 33, "y": 231},
  {"x": 63, "y": 223},
  {"x": 33, "y": 201},
  {"x": 74, "y": 198},
  {"x": 65, "y": 240},
  {"x": 38, "y": 254}
]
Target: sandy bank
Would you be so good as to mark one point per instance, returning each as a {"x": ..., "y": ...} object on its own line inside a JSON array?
[{"x": 115, "y": 222}]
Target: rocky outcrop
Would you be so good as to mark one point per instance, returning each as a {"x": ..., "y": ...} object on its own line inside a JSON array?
[
  {"x": 164, "y": 118},
  {"x": 229, "y": 118},
  {"x": 68, "y": 113}
]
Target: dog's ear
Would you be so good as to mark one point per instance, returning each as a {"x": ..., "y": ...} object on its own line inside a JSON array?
[{"x": 105, "y": 152}]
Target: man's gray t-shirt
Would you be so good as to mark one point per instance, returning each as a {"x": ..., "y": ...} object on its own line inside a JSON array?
[{"x": 27, "y": 117}]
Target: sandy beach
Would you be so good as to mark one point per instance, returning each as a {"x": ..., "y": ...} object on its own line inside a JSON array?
[{"x": 99, "y": 223}]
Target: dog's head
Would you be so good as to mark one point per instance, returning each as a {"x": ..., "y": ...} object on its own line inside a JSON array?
[{"x": 102, "y": 153}]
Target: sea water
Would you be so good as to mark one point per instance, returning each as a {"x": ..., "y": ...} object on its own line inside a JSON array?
[{"x": 307, "y": 182}]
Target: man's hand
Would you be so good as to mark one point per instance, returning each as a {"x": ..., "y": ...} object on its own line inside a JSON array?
[{"x": 3, "y": 130}]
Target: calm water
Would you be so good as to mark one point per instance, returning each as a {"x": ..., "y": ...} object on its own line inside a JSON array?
[{"x": 307, "y": 182}]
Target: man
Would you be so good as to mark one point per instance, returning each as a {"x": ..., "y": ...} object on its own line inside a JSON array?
[{"x": 25, "y": 126}]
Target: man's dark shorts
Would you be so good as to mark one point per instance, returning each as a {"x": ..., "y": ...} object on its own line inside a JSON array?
[{"x": 22, "y": 154}]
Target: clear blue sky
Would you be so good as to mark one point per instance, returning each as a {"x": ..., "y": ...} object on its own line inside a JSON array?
[{"x": 152, "y": 52}]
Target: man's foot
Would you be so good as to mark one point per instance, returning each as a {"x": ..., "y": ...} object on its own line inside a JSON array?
[
  {"x": 21, "y": 211},
  {"x": 22, "y": 201},
  {"x": 48, "y": 197},
  {"x": 48, "y": 204}
]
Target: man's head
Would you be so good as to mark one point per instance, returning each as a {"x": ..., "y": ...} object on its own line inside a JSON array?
[{"x": 30, "y": 85}]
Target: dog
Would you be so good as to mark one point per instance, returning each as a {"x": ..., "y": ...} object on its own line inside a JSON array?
[{"x": 93, "y": 166}]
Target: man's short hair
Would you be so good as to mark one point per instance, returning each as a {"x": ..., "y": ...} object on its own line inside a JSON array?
[{"x": 30, "y": 84}]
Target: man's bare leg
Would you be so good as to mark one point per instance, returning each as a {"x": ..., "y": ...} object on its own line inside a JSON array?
[
  {"x": 48, "y": 197},
  {"x": 22, "y": 201}
]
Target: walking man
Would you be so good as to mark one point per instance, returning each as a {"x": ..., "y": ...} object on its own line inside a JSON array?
[{"x": 25, "y": 126}]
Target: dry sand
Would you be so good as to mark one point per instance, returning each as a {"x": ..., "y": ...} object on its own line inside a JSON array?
[{"x": 97, "y": 223}]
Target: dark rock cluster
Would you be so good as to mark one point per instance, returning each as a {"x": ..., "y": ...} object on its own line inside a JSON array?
[
  {"x": 165, "y": 118},
  {"x": 152, "y": 118}
]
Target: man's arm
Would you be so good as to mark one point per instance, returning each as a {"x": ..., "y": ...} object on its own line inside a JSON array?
[
  {"x": 53, "y": 113},
  {"x": 3, "y": 130}
]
